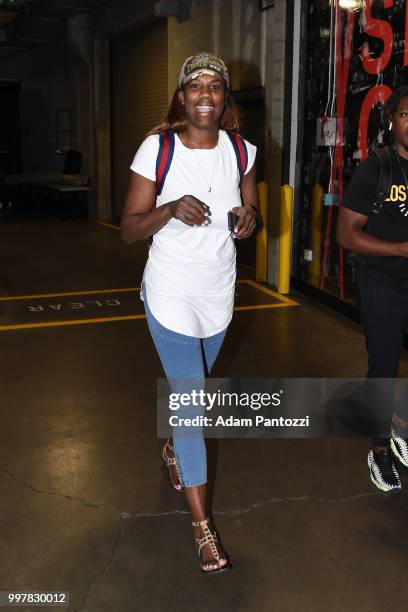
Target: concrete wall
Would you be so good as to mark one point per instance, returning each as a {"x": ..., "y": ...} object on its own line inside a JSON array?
[
  {"x": 90, "y": 86},
  {"x": 80, "y": 77},
  {"x": 102, "y": 188},
  {"x": 119, "y": 16},
  {"x": 228, "y": 28},
  {"x": 44, "y": 89},
  {"x": 274, "y": 93}
]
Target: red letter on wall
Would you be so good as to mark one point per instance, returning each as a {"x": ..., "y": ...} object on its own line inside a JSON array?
[
  {"x": 406, "y": 35},
  {"x": 378, "y": 28}
]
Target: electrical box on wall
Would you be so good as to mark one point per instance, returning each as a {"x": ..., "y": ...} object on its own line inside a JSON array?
[
  {"x": 326, "y": 132},
  {"x": 330, "y": 199}
]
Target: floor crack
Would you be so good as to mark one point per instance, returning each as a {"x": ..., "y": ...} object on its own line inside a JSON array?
[
  {"x": 105, "y": 567},
  {"x": 231, "y": 512},
  {"x": 81, "y": 500},
  {"x": 279, "y": 500},
  {"x": 256, "y": 505}
]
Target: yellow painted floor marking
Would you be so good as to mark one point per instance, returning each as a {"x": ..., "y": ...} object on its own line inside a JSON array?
[
  {"x": 283, "y": 302},
  {"x": 14, "y": 298},
  {"x": 287, "y": 301},
  {"x": 115, "y": 227},
  {"x": 70, "y": 322},
  {"x": 264, "y": 306},
  {"x": 125, "y": 318}
]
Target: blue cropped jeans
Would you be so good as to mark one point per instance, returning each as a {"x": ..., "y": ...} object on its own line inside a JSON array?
[{"x": 183, "y": 358}]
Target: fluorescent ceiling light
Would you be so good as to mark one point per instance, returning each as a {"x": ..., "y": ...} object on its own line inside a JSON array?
[{"x": 351, "y": 5}]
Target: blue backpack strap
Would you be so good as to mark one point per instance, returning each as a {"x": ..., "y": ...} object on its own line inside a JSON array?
[
  {"x": 241, "y": 153},
  {"x": 163, "y": 162},
  {"x": 164, "y": 158}
]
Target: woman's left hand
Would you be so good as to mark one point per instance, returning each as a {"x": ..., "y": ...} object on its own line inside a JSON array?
[{"x": 246, "y": 223}]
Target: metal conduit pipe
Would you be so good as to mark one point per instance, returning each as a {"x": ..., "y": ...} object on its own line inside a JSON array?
[
  {"x": 262, "y": 237},
  {"x": 316, "y": 234}
]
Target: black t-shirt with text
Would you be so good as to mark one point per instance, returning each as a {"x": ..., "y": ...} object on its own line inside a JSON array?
[{"x": 391, "y": 222}]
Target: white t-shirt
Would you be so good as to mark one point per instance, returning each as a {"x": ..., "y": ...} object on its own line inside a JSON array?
[{"x": 189, "y": 276}]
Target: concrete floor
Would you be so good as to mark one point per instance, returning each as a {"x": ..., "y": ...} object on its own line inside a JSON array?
[{"x": 86, "y": 506}]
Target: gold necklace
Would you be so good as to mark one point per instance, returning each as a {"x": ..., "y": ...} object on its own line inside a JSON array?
[
  {"x": 209, "y": 182},
  {"x": 196, "y": 145}
]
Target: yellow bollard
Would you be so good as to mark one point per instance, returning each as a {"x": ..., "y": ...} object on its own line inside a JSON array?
[
  {"x": 262, "y": 237},
  {"x": 285, "y": 238},
  {"x": 316, "y": 233}
]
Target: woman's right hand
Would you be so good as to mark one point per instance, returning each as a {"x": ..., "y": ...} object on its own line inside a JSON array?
[
  {"x": 189, "y": 210},
  {"x": 141, "y": 218}
]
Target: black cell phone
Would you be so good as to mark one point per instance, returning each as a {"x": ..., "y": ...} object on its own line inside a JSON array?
[{"x": 232, "y": 220}]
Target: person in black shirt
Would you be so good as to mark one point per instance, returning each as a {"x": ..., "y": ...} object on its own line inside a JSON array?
[{"x": 381, "y": 240}]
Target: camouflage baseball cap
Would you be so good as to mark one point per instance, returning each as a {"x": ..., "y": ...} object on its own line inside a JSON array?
[{"x": 203, "y": 63}]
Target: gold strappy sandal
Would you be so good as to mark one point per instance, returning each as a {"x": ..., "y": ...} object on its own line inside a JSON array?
[
  {"x": 210, "y": 539},
  {"x": 169, "y": 461}
]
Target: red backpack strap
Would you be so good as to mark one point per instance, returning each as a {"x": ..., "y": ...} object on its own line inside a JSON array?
[
  {"x": 241, "y": 153},
  {"x": 164, "y": 157}
]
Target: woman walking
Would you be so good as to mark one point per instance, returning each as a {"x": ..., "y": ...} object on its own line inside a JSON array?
[{"x": 187, "y": 175}]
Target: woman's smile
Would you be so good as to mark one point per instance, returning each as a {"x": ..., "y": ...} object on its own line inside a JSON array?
[{"x": 205, "y": 109}]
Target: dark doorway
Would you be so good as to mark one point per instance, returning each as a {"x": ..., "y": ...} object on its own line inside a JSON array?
[
  {"x": 10, "y": 157},
  {"x": 139, "y": 97}
]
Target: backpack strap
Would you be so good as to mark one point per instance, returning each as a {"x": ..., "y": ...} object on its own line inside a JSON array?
[
  {"x": 384, "y": 184},
  {"x": 164, "y": 157},
  {"x": 163, "y": 162},
  {"x": 241, "y": 153}
]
